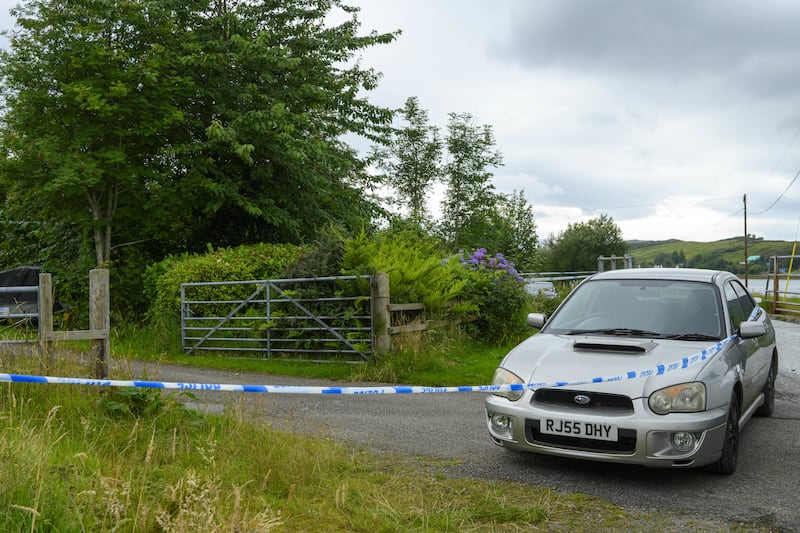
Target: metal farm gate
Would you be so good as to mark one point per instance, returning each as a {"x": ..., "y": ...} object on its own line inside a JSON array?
[{"x": 314, "y": 319}]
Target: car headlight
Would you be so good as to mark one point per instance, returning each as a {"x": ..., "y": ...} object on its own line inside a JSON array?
[
  {"x": 504, "y": 377},
  {"x": 683, "y": 398}
]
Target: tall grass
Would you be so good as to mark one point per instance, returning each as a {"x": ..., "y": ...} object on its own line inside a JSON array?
[
  {"x": 83, "y": 466},
  {"x": 87, "y": 459}
]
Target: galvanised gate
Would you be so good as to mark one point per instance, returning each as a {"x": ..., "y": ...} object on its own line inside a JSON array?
[{"x": 313, "y": 319}]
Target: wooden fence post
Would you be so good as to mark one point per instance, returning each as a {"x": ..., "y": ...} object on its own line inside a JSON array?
[
  {"x": 99, "y": 310},
  {"x": 45, "y": 319},
  {"x": 381, "y": 318},
  {"x": 775, "y": 286}
]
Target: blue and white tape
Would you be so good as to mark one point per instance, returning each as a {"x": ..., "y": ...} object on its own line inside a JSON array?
[{"x": 658, "y": 370}]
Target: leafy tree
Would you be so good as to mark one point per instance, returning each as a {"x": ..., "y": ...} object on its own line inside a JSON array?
[
  {"x": 411, "y": 161},
  {"x": 713, "y": 262},
  {"x": 670, "y": 260},
  {"x": 90, "y": 89},
  {"x": 515, "y": 231},
  {"x": 470, "y": 200},
  {"x": 262, "y": 157},
  {"x": 578, "y": 247}
]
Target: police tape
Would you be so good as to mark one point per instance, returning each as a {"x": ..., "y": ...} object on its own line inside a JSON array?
[{"x": 658, "y": 370}]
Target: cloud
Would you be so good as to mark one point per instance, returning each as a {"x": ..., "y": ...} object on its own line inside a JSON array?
[{"x": 747, "y": 43}]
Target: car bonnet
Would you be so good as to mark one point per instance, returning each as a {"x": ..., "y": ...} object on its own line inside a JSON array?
[{"x": 619, "y": 365}]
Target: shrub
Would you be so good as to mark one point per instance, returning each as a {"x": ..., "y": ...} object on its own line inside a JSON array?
[
  {"x": 498, "y": 291},
  {"x": 323, "y": 258},
  {"x": 416, "y": 272},
  {"x": 251, "y": 262}
]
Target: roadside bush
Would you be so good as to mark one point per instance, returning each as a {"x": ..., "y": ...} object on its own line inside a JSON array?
[
  {"x": 542, "y": 304},
  {"x": 416, "y": 271},
  {"x": 320, "y": 259},
  {"x": 251, "y": 262},
  {"x": 497, "y": 290},
  {"x": 484, "y": 292}
]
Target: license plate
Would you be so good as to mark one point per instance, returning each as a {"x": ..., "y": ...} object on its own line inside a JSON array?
[{"x": 574, "y": 428}]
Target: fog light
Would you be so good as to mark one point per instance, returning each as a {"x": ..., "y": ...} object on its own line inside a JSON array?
[
  {"x": 683, "y": 441},
  {"x": 501, "y": 423}
]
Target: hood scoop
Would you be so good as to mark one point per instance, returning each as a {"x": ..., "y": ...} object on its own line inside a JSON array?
[{"x": 614, "y": 347}]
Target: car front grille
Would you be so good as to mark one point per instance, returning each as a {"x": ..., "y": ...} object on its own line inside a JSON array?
[
  {"x": 562, "y": 398},
  {"x": 625, "y": 444}
]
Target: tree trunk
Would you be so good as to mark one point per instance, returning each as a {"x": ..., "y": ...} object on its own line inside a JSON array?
[{"x": 102, "y": 216}]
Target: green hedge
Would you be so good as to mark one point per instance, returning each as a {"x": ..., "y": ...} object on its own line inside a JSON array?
[
  {"x": 487, "y": 296},
  {"x": 260, "y": 261}
]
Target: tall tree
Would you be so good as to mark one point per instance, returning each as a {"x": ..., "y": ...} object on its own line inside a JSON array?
[
  {"x": 263, "y": 158},
  {"x": 470, "y": 199},
  {"x": 516, "y": 231},
  {"x": 578, "y": 247},
  {"x": 411, "y": 161},
  {"x": 90, "y": 88},
  {"x": 187, "y": 122}
]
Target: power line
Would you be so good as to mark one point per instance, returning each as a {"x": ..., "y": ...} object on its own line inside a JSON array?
[
  {"x": 791, "y": 143},
  {"x": 715, "y": 224},
  {"x": 778, "y": 199},
  {"x": 609, "y": 208},
  {"x": 774, "y": 168}
]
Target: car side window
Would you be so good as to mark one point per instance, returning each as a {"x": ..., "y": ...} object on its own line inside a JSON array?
[
  {"x": 748, "y": 304},
  {"x": 739, "y": 304}
]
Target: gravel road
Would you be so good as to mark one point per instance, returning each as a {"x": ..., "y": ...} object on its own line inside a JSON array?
[{"x": 765, "y": 487}]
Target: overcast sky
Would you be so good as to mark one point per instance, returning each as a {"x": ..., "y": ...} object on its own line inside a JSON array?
[{"x": 661, "y": 114}]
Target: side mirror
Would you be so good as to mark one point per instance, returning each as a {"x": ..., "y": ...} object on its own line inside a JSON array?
[
  {"x": 750, "y": 330},
  {"x": 536, "y": 320}
]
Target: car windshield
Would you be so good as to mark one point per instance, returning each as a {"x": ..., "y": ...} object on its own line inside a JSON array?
[{"x": 642, "y": 308}]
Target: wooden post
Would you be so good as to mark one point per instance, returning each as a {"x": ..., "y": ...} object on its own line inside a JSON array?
[
  {"x": 775, "y": 286},
  {"x": 99, "y": 310},
  {"x": 45, "y": 319},
  {"x": 381, "y": 318}
]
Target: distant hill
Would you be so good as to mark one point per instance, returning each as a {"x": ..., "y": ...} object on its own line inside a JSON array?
[{"x": 727, "y": 254}]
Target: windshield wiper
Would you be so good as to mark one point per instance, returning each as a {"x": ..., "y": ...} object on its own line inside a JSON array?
[
  {"x": 692, "y": 337},
  {"x": 620, "y": 332}
]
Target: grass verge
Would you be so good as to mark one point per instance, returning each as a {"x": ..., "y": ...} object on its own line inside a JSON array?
[{"x": 442, "y": 358}]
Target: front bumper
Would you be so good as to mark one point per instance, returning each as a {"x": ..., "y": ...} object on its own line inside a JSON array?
[{"x": 644, "y": 438}]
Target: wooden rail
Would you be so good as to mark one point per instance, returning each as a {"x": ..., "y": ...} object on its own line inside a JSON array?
[
  {"x": 99, "y": 322},
  {"x": 413, "y": 326}
]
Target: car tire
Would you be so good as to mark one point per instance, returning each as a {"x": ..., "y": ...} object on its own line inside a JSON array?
[
  {"x": 730, "y": 447},
  {"x": 768, "y": 406}
]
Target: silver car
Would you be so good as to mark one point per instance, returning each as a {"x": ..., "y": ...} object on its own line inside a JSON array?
[
  {"x": 657, "y": 367},
  {"x": 541, "y": 288}
]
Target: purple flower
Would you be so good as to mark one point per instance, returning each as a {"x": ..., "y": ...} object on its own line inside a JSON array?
[{"x": 479, "y": 259}]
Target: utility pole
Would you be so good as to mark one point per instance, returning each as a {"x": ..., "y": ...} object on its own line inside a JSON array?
[{"x": 746, "y": 265}]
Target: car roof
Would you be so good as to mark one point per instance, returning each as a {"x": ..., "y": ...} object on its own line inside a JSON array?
[{"x": 678, "y": 274}]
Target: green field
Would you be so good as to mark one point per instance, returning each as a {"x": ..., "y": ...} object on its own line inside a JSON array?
[{"x": 732, "y": 251}]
